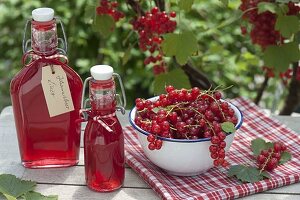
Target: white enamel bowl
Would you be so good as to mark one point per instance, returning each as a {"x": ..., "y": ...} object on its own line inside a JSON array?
[{"x": 182, "y": 157}]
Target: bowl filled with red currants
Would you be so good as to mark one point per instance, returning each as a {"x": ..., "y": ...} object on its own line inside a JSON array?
[{"x": 186, "y": 131}]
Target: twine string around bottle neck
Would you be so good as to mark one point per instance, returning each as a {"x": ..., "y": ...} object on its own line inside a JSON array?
[
  {"x": 35, "y": 57},
  {"x": 98, "y": 118}
]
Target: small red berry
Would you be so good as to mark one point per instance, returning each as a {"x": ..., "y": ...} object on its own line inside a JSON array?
[
  {"x": 151, "y": 146},
  {"x": 150, "y": 138},
  {"x": 158, "y": 144},
  {"x": 169, "y": 88},
  {"x": 216, "y": 163},
  {"x": 277, "y": 147},
  {"x": 173, "y": 14}
]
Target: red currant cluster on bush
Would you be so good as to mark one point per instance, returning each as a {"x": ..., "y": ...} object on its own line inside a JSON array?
[
  {"x": 285, "y": 76},
  {"x": 268, "y": 159},
  {"x": 109, "y": 8},
  {"x": 150, "y": 28},
  {"x": 269, "y": 71},
  {"x": 263, "y": 30},
  {"x": 293, "y": 8},
  {"x": 186, "y": 114}
]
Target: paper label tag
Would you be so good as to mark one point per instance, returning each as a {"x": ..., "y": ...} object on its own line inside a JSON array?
[{"x": 56, "y": 90}]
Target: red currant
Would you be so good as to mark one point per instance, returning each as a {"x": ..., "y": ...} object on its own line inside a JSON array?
[
  {"x": 150, "y": 138},
  {"x": 173, "y": 14}
]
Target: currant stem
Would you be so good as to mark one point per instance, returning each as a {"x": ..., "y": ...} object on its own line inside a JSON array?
[{"x": 266, "y": 162}]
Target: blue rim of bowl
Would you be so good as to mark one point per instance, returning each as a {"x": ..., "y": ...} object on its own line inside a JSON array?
[{"x": 237, "y": 126}]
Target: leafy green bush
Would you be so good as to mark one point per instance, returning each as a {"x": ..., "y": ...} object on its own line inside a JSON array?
[{"x": 223, "y": 55}]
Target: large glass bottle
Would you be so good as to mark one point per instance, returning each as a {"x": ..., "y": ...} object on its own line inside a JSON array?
[
  {"x": 103, "y": 135},
  {"x": 44, "y": 140}
]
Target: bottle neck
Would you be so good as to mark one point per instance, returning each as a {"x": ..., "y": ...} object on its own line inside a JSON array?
[
  {"x": 44, "y": 37},
  {"x": 102, "y": 96}
]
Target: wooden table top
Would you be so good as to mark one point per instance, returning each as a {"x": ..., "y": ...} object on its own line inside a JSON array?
[{"x": 69, "y": 183}]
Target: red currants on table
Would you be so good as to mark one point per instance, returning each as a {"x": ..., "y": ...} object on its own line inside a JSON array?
[{"x": 268, "y": 159}]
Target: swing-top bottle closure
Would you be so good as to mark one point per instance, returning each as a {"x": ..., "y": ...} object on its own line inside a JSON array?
[
  {"x": 104, "y": 73},
  {"x": 44, "y": 39},
  {"x": 43, "y": 32}
]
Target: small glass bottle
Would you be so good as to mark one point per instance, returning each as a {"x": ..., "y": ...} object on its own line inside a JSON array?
[
  {"x": 103, "y": 135},
  {"x": 44, "y": 140}
]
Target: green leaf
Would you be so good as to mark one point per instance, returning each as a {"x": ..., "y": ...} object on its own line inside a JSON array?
[
  {"x": 283, "y": 9},
  {"x": 287, "y": 25},
  {"x": 286, "y": 1},
  {"x": 90, "y": 11},
  {"x": 176, "y": 77},
  {"x": 185, "y": 5},
  {"x": 265, "y": 174},
  {"x": 8, "y": 197},
  {"x": 269, "y": 145},
  {"x": 285, "y": 156},
  {"x": 245, "y": 173},
  {"x": 280, "y": 57},
  {"x": 267, "y": 6},
  {"x": 12, "y": 186},
  {"x": 104, "y": 24},
  {"x": 228, "y": 127},
  {"x": 233, "y": 170},
  {"x": 225, "y": 2},
  {"x": 127, "y": 55},
  {"x": 39, "y": 196},
  {"x": 257, "y": 145},
  {"x": 180, "y": 45}
]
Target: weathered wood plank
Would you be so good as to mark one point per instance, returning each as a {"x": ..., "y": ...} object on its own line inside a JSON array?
[
  {"x": 263, "y": 196},
  {"x": 291, "y": 122},
  {"x": 7, "y": 118},
  {"x": 71, "y": 175},
  {"x": 8, "y": 143},
  {"x": 68, "y": 192},
  {"x": 75, "y": 175},
  {"x": 289, "y": 189}
]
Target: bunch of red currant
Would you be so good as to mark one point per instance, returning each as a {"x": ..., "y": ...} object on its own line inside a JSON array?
[
  {"x": 186, "y": 114},
  {"x": 150, "y": 28},
  {"x": 269, "y": 71},
  {"x": 109, "y": 8},
  {"x": 268, "y": 159},
  {"x": 263, "y": 30},
  {"x": 285, "y": 76}
]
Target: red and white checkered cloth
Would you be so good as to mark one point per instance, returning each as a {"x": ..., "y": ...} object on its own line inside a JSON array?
[{"x": 215, "y": 184}]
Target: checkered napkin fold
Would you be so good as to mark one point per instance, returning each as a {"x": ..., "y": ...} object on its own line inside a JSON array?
[{"x": 215, "y": 184}]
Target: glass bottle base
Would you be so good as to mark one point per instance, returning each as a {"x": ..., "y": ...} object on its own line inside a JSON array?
[
  {"x": 49, "y": 163},
  {"x": 104, "y": 188}
]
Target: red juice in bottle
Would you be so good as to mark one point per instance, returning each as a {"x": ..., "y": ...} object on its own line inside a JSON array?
[
  {"x": 103, "y": 135},
  {"x": 45, "y": 141}
]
